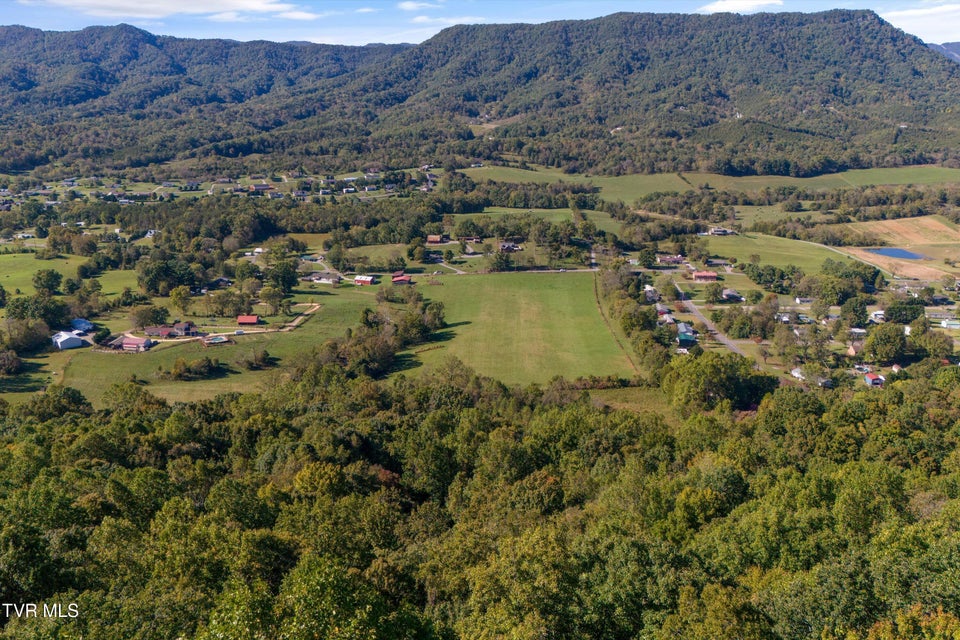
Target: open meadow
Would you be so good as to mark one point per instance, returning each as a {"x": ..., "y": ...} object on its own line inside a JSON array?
[
  {"x": 632, "y": 187},
  {"x": 773, "y": 250},
  {"x": 525, "y": 327}
]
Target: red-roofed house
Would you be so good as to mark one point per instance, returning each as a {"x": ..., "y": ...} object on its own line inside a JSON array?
[{"x": 704, "y": 276}]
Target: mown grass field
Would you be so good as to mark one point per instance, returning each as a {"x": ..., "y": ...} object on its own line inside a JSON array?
[
  {"x": 773, "y": 250},
  {"x": 518, "y": 327},
  {"x": 17, "y": 269},
  {"x": 525, "y": 327}
]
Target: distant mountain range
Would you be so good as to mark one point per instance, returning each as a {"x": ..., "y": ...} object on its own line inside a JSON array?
[
  {"x": 783, "y": 93},
  {"x": 949, "y": 49}
]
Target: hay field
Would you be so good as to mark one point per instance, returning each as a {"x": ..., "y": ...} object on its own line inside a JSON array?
[{"x": 932, "y": 236}]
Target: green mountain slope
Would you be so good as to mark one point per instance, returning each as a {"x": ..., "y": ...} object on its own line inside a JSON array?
[{"x": 792, "y": 94}]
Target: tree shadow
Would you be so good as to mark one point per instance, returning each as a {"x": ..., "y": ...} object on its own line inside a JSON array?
[
  {"x": 405, "y": 362},
  {"x": 29, "y": 379}
]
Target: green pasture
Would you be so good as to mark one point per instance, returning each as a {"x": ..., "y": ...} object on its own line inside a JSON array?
[
  {"x": 550, "y": 215},
  {"x": 524, "y": 327},
  {"x": 600, "y": 219},
  {"x": 772, "y": 250},
  {"x": 747, "y": 215},
  {"x": 314, "y": 241},
  {"x": 630, "y": 188},
  {"x": 381, "y": 254},
  {"x": 17, "y": 269}
]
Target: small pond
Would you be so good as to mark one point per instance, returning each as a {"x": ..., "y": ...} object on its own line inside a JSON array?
[{"x": 894, "y": 252}]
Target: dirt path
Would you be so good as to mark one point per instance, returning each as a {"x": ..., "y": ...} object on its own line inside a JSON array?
[{"x": 606, "y": 321}]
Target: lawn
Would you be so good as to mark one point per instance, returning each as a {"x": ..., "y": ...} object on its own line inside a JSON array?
[{"x": 525, "y": 327}]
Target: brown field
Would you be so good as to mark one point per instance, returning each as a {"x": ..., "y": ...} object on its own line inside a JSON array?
[
  {"x": 931, "y": 236},
  {"x": 919, "y": 269},
  {"x": 907, "y": 232}
]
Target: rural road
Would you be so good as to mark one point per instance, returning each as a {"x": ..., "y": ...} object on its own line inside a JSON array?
[{"x": 716, "y": 333}]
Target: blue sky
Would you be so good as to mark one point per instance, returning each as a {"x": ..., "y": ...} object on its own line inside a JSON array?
[{"x": 364, "y": 21}]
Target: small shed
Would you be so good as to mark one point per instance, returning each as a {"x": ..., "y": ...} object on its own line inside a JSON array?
[
  {"x": 248, "y": 319},
  {"x": 704, "y": 276}
]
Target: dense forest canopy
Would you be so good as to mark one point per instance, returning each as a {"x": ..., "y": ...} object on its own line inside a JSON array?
[{"x": 788, "y": 94}]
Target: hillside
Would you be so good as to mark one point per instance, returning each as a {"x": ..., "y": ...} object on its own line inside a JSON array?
[
  {"x": 949, "y": 49},
  {"x": 791, "y": 94}
]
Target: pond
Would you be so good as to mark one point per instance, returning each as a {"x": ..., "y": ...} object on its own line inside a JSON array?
[{"x": 894, "y": 252}]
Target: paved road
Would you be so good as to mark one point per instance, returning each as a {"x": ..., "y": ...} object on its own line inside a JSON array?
[{"x": 716, "y": 333}]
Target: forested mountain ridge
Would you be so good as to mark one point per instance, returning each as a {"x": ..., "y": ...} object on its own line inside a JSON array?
[
  {"x": 794, "y": 94},
  {"x": 949, "y": 49}
]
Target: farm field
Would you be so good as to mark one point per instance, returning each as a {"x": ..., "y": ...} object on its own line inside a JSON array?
[
  {"x": 525, "y": 327},
  {"x": 630, "y": 188},
  {"x": 773, "y": 250},
  {"x": 600, "y": 219},
  {"x": 17, "y": 269},
  {"x": 932, "y": 236}
]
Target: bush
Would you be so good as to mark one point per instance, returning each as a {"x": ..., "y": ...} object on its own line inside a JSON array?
[{"x": 10, "y": 363}]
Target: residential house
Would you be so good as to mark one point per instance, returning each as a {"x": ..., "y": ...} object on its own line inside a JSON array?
[
  {"x": 402, "y": 279},
  {"x": 670, "y": 259},
  {"x": 434, "y": 239},
  {"x": 364, "y": 280},
  {"x": 185, "y": 328},
  {"x": 159, "y": 332},
  {"x": 248, "y": 319},
  {"x": 704, "y": 276},
  {"x": 326, "y": 277},
  {"x": 685, "y": 335},
  {"x": 874, "y": 379},
  {"x": 731, "y": 295}
]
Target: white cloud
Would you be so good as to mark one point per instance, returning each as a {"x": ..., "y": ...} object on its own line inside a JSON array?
[
  {"x": 228, "y": 16},
  {"x": 367, "y": 10},
  {"x": 155, "y": 9},
  {"x": 738, "y": 6},
  {"x": 302, "y": 15},
  {"x": 930, "y": 22},
  {"x": 409, "y": 5},
  {"x": 448, "y": 21}
]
